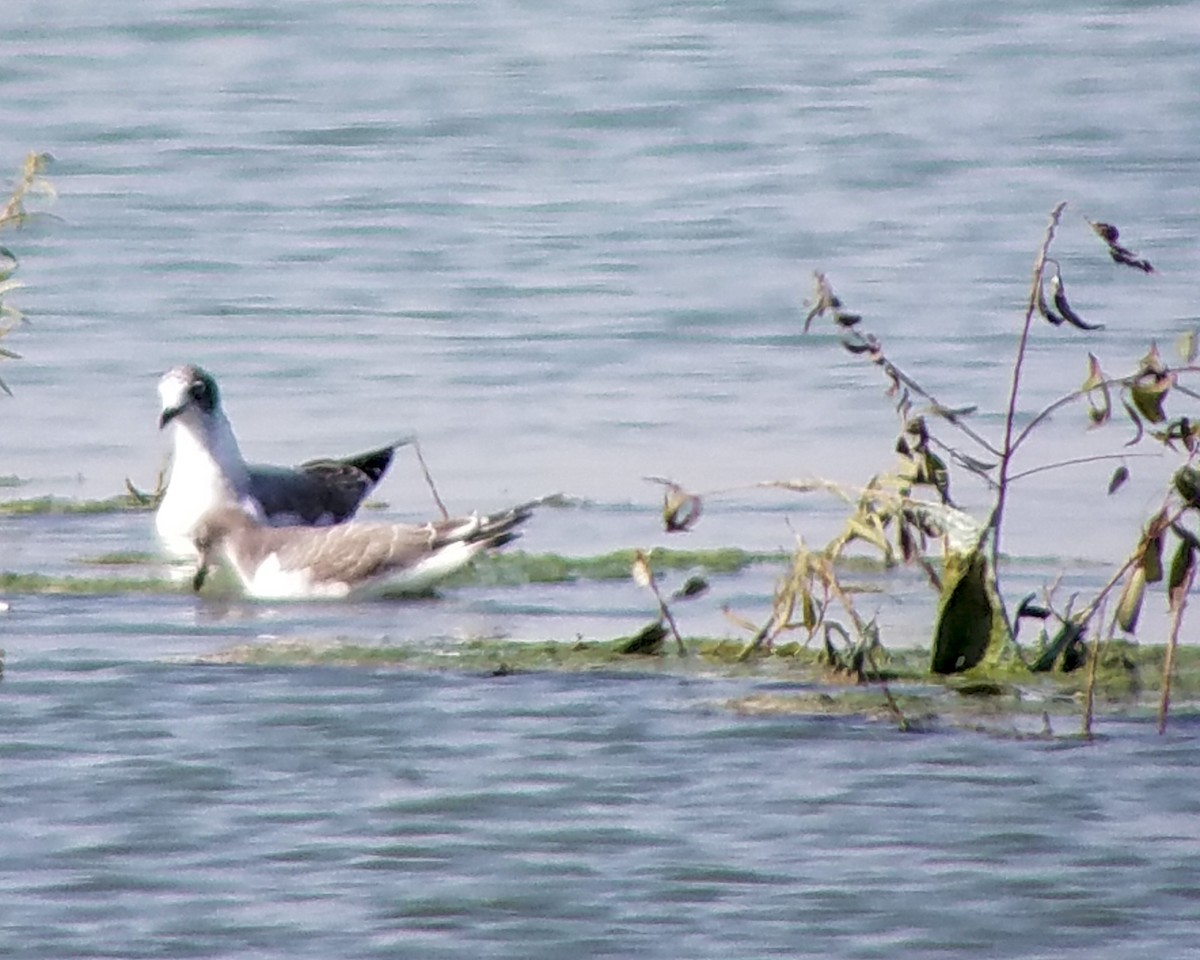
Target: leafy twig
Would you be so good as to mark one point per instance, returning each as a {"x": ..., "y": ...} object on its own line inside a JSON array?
[{"x": 996, "y": 520}]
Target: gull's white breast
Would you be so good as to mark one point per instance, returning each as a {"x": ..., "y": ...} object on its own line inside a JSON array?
[{"x": 198, "y": 483}]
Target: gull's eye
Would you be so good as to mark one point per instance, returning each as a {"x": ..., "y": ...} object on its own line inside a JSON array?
[{"x": 203, "y": 393}]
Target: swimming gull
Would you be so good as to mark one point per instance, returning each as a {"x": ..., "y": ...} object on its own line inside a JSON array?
[
  {"x": 207, "y": 470},
  {"x": 350, "y": 559}
]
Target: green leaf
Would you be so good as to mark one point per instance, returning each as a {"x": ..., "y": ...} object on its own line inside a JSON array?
[
  {"x": 646, "y": 641},
  {"x": 1062, "y": 650},
  {"x": 694, "y": 586},
  {"x": 1183, "y": 564},
  {"x": 1129, "y": 606},
  {"x": 1187, "y": 485},
  {"x": 965, "y": 621},
  {"x": 1152, "y": 559},
  {"x": 1148, "y": 398},
  {"x": 933, "y": 471}
]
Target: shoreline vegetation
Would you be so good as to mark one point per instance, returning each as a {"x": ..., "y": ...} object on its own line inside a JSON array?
[{"x": 1085, "y": 652}]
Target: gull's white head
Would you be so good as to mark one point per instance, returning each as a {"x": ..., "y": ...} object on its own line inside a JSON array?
[{"x": 186, "y": 388}]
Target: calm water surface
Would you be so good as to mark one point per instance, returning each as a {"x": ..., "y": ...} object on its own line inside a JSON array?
[{"x": 567, "y": 246}]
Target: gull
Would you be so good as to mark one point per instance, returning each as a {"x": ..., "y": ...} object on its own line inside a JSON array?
[
  {"x": 208, "y": 470},
  {"x": 352, "y": 559}
]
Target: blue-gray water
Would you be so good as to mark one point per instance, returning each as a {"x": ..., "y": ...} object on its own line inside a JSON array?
[{"x": 567, "y": 246}]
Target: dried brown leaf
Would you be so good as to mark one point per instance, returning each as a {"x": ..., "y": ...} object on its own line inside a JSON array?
[
  {"x": 1044, "y": 308},
  {"x": 1064, "y": 308},
  {"x": 640, "y": 570},
  {"x": 1106, "y": 231}
]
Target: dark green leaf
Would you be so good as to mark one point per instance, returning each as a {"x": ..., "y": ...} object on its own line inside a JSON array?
[
  {"x": 1187, "y": 485},
  {"x": 646, "y": 641},
  {"x": 1061, "y": 650},
  {"x": 1152, "y": 558},
  {"x": 964, "y": 627},
  {"x": 1027, "y": 608},
  {"x": 692, "y": 587},
  {"x": 1183, "y": 565}
]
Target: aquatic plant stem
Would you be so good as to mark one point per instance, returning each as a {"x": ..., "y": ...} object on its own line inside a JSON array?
[
  {"x": 643, "y": 576},
  {"x": 997, "y": 518},
  {"x": 667, "y": 615},
  {"x": 901, "y": 720},
  {"x": 1164, "y": 704},
  {"x": 1089, "y": 694},
  {"x": 429, "y": 480}
]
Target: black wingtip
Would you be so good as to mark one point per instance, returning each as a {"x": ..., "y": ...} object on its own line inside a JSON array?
[
  {"x": 500, "y": 539},
  {"x": 373, "y": 464}
]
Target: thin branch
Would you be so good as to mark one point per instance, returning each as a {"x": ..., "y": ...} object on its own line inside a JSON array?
[
  {"x": 1082, "y": 392},
  {"x": 982, "y": 472},
  {"x": 1169, "y": 661},
  {"x": 1076, "y": 461},
  {"x": 667, "y": 615},
  {"x": 1089, "y": 696},
  {"x": 996, "y": 521},
  {"x": 903, "y": 379}
]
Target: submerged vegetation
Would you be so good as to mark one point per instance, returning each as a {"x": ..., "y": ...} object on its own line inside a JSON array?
[
  {"x": 804, "y": 681},
  {"x": 40, "y": 506},
  {"x": 513, "y": 568}
]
